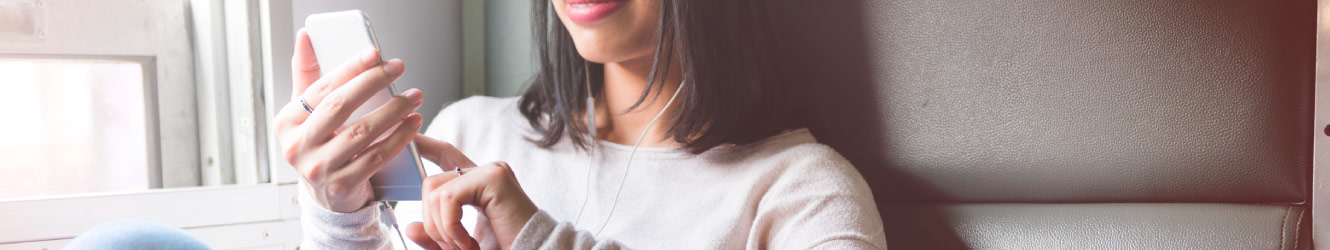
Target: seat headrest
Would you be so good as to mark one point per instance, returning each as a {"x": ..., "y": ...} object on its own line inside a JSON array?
[{"x": 1060, "y": 101}]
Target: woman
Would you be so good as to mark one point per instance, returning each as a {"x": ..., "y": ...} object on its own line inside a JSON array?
[{"x": 721, "y": 167}]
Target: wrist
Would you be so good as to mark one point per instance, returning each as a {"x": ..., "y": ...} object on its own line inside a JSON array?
[
  {"x": 344, "y": 202},
  {"x": 515, "y": 226},
  {"x": 519, "y": 216}
]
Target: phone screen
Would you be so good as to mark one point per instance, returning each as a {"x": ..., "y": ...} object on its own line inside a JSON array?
[{"x": 338, "y": 37}]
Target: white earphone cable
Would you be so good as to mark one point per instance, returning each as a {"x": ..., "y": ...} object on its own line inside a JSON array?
[
  {"x": 591, "y": 127},
  {"x": 629, "y": 164}
]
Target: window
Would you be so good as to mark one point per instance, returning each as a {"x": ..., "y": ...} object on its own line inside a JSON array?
[
  {"x": 158, "y": 110},
  {"x": 145, "y": 110},
  {"x": 75, "y": 126}
]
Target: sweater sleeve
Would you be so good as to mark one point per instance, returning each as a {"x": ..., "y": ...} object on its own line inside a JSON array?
[
  {"x": 543, "y": 232},
  {"x": 325, "y": 229},
  {"x": 820, "y": 203}
]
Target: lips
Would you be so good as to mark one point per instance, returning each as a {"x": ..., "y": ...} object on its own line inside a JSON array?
[{"x": 588, "y": 11}]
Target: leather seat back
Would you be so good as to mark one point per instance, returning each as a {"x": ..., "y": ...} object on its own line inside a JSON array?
[{"x": 1040, "y": 106}]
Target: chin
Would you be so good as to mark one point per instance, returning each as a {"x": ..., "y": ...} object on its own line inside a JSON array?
[
  {"x": 625, "y": 33},
  {"x": 601, "y": 52},
  {"x": 597, "y": 56}
]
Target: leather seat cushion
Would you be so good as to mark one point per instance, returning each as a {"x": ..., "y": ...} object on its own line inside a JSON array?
[{"x": 1097, "y": 226}]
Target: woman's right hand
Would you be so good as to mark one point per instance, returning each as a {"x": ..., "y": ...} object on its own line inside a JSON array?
[{"x": 336, "y": 162}]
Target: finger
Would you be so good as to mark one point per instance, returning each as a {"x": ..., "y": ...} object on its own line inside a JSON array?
[
  {"x": 431, "y": 204},
  {"x": 304, "y": 65},
  {"x": 284, "y": 121},
  {"x": 442, "y": 153},
  {"x": 336, "y": 78},
  {"x": 435, "y": 204},
  {"x": 286, "y": 128},
  {"x": 435, "y": 181},
  {"x": 355, "y": 137},
  {"x": 377, "y": 155},
  {"x": 416, "y": 231},
  {"x": 427, "y": 203},
  {"x": 462, "y": 190},
  {"x": 315, "y": 88},
  {"x": 304, "y": 72},
  {"x": 441, "y": 224},
  {"x": 434, "y": 200},
  {"x": 288, "y": 119},
  {"x": 334, "y": 109}
]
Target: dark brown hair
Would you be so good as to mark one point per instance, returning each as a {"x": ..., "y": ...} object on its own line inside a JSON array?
[{"x": 725, "y": 53}]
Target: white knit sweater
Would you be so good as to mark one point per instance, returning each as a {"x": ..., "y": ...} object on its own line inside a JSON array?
[{"x": 783, "y": 192}]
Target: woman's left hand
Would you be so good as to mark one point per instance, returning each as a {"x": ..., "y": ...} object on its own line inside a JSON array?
[{"x": 491, "y": 188}]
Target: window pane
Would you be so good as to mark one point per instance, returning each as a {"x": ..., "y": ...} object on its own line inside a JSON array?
[{"x": 72, "y": 126}]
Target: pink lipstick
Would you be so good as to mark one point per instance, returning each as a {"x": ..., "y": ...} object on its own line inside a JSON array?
[{"x": 588, "y": 11}]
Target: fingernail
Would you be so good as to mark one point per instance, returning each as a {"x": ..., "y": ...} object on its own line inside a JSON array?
[
  {"x": 393, "y": 66},
  {"x": 413, "y": 95},
  {"x": 415, "y": 118},
  {"x": 369, "y": 56}
]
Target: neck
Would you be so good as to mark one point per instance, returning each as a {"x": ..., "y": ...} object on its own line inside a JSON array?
[{"x": 624, "y": 83}]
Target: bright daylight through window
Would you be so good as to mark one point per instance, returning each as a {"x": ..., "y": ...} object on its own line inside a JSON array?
[{"x": 74, "y": 126}]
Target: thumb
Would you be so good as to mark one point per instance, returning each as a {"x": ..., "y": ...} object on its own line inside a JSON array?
[
  {"x": 441, "y": 153},
  {"x": 304, "y": 65},
  {"x": 416, "y": 231}
]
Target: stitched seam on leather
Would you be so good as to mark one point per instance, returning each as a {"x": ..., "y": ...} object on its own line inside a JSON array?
[
  {"x": 1283, "y": 223},
  {"x": 1297, "y": 227}
]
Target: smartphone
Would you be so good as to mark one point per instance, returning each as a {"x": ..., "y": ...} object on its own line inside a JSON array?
[{"x": 338, "y": 37}]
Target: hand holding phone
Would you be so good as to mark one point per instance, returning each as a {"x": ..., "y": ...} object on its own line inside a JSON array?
[
  {"x": 335, "y": 133},
  {"x": 336, "y": 38}
]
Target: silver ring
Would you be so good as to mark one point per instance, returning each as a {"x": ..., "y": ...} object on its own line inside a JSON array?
[
  {"x": 459, "y": 170},
  {"x": 306, "y": 105}
]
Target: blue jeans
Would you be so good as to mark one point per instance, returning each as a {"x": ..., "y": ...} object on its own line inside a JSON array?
[{"x": 127, "y": 234}]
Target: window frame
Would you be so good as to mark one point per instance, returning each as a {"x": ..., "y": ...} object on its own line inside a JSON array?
[
  {"x": 29, "y": 221},
  {"x": 201, "y": 92}
]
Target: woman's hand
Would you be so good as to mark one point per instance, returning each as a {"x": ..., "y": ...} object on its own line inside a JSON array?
[
  {"x": 492, "y": 189},
  {"x": 336, "y": 162}
]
